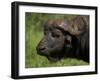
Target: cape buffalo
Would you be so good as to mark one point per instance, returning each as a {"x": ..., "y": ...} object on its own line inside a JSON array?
[{"x": 64, "y": 39}]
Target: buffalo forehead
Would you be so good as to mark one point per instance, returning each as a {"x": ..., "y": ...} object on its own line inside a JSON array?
[{"x": 58, "y": 23}]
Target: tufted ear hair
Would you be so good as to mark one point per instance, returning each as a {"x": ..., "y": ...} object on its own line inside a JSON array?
[{"x": 79, "y": 25}]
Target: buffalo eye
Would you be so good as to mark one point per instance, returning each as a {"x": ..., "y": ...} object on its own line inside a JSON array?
[{"x": 55, "y": 35}]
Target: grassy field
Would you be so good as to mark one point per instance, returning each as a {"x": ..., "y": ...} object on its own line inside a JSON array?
[{"x": 34, "y": 33}]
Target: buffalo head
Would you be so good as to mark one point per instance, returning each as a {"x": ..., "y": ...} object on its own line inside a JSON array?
[{"x": 60, "y": 38}]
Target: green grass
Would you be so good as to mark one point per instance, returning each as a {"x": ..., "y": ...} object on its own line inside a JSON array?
[{"x": 34, "y": 33}]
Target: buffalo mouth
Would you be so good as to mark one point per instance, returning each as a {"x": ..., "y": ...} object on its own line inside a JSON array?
[
  {"x": 51, "y": 56},
  {"x": 54, "y": 58}
]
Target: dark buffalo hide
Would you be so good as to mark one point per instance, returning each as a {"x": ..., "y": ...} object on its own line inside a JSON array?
[{"x": 64, "y": 39}]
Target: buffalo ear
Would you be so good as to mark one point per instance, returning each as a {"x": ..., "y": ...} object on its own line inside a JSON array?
[{"x": 79, "y": 25}]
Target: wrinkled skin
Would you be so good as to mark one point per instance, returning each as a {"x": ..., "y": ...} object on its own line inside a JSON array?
[{"x": 65, "y": 39}]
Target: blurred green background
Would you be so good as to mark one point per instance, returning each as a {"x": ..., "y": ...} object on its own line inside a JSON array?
[{"x": 34, "y": 33}]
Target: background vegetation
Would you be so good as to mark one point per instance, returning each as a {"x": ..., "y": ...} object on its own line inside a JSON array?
[{"x": 34, "y": 33}]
